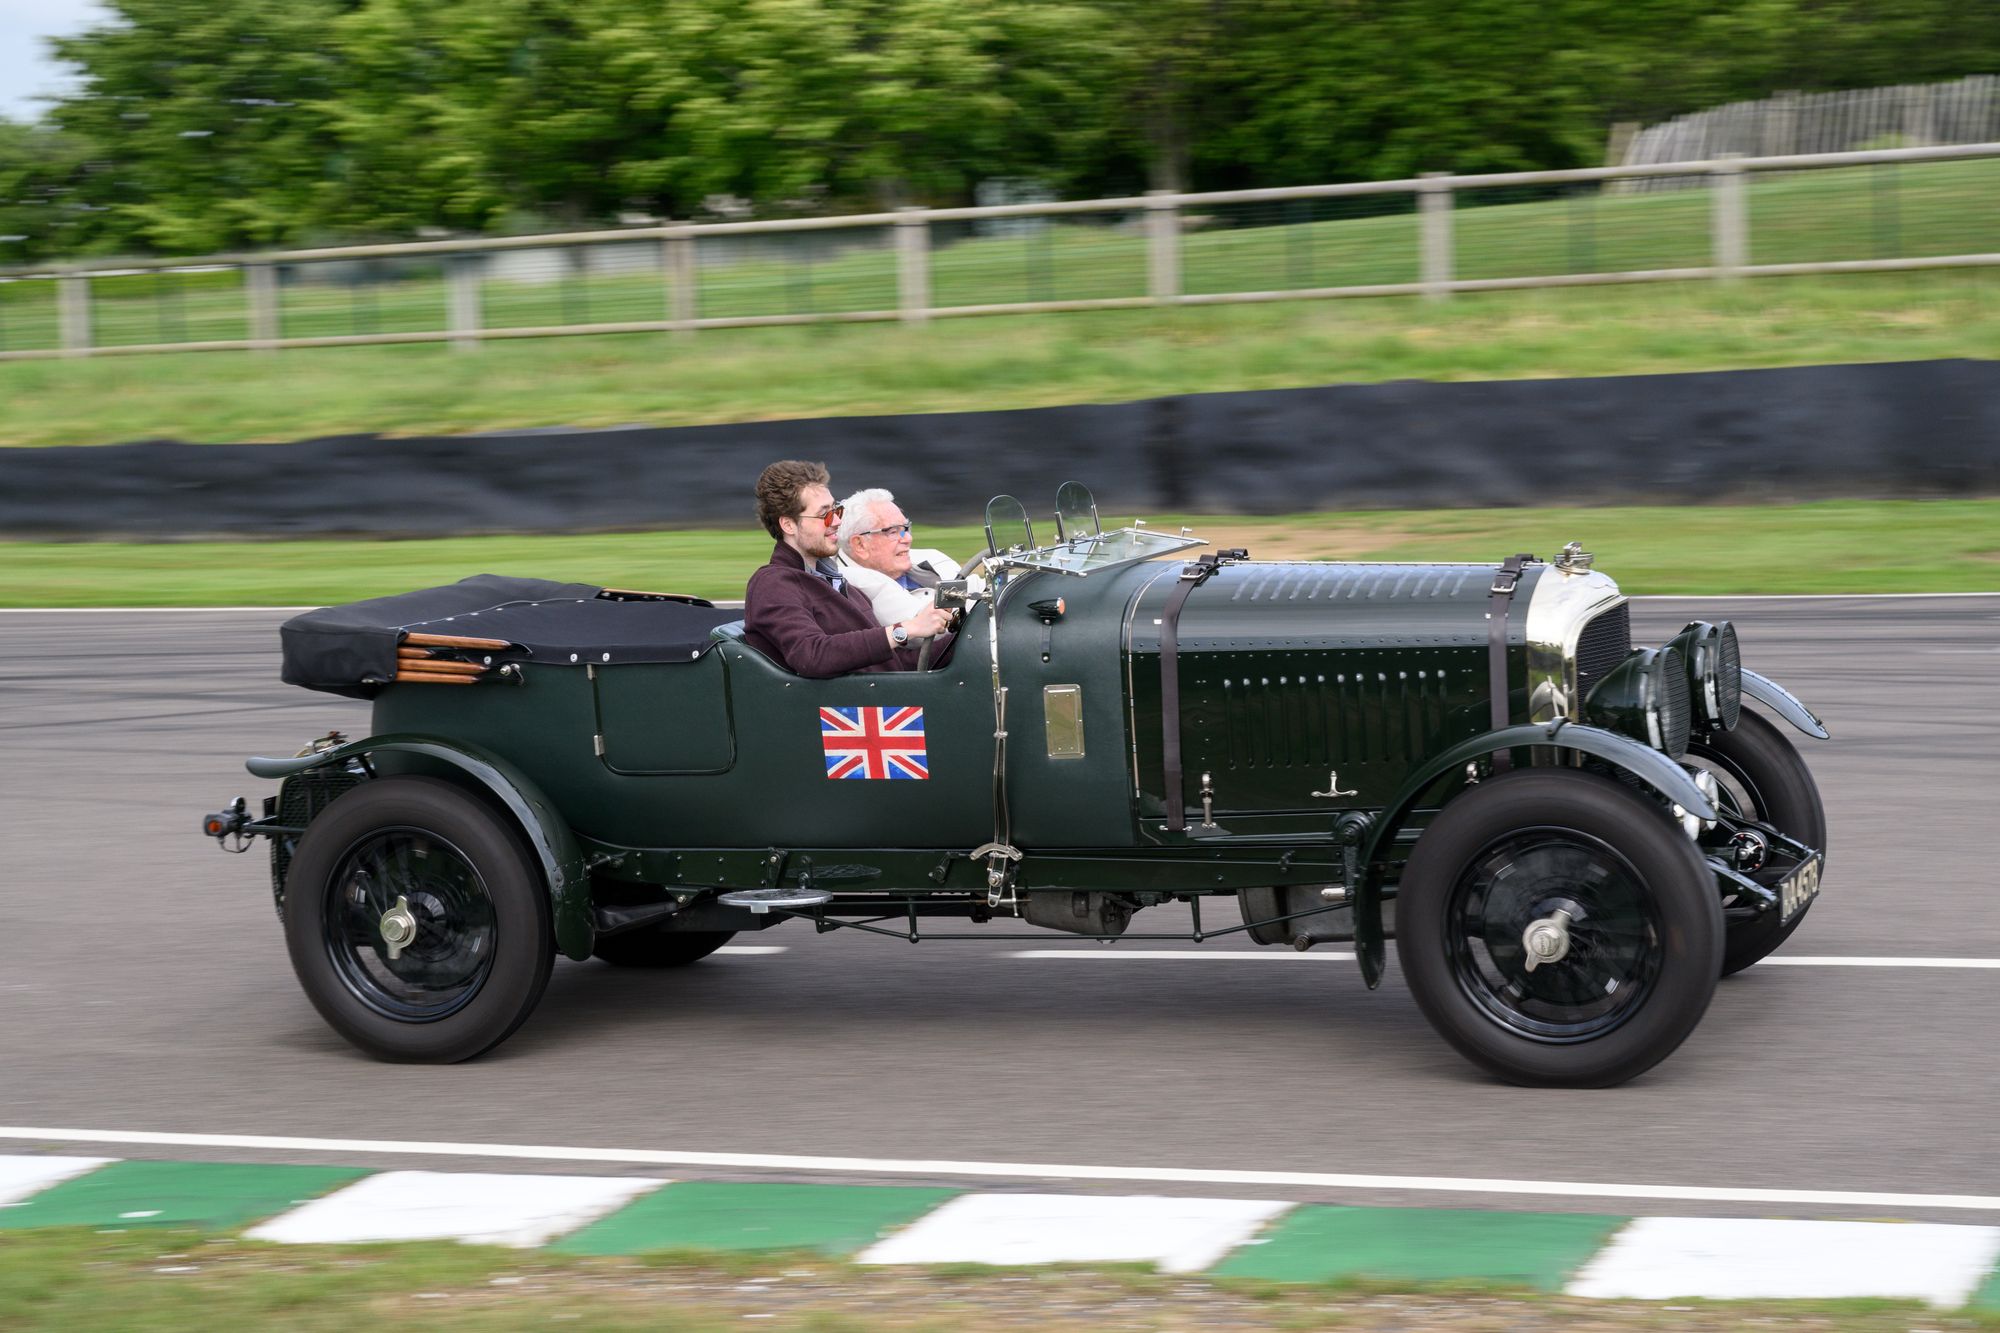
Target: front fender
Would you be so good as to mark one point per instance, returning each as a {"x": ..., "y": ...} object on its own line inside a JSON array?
[
  {"x": 1650, "y": 766},
  {"x": 1784, "y": 703},
  {"x": 563, "y": 865}
]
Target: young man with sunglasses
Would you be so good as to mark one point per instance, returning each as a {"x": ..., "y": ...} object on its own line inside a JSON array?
[
  {"x": 879, "y": 556},
  {"x": 800, "y": 610}
]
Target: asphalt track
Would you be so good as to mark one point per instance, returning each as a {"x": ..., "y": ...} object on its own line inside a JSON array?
[{"x": 144, "y": 985}]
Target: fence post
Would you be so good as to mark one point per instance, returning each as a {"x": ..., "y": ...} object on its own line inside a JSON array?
[
  {"x": 1163, "y": 247},
  {"x": 913, "y": 264},
  {"x": 1434, "y": 221},
  {"x": 73, "y": 313},
  {"x": 1731, "y": 218},
  {"x": 463, "y": 277},
  {"x": 260, "y": 286},
  {"x": 680, "y": 276}
]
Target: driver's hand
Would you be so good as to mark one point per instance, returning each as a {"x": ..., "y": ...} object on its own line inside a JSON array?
[{"x": 928, "y": 623}]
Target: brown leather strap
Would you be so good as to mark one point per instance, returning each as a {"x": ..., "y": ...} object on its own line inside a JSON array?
[
  {"x": 1505, "y": 579},
  {"x": 1191, "y": 578}
]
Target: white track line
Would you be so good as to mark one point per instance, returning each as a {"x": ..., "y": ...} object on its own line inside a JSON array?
[
  {"x": 1988, "y": 1203},
  {"x": 1114, "y": 954},
  {"x": 1793, "y": 596},
  {"x": 753, "y": 948},
  {"x": 1276, "y": 955},
  {"x": 1834, "y": 961},
  {"x": 720, "y": 605}
]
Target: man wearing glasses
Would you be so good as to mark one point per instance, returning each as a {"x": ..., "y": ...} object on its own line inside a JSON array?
[
  {"x": 800, "y": 610},
  {"x": 877, "y": 555}
]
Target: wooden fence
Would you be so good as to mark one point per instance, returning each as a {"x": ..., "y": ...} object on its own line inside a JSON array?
[{"x": 1762, "y": 215}]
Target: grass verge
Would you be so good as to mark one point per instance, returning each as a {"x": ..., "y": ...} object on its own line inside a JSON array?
[
  {"x": 998, "y": 362},
  {"x": 1830, "y": 547},
  {"x": 166, "y": 1281}
]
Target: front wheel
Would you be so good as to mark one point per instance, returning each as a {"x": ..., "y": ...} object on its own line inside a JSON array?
[
  {"x": 1760, "y": 775},
  {"x": 1559, "y": 930},
  {"x": 417, "y": 922}
]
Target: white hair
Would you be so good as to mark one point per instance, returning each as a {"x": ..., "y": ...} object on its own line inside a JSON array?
[{"x": 862, "y": 512}]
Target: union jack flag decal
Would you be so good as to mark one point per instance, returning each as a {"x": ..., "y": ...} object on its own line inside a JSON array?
[{"x": 874, "y": 742}]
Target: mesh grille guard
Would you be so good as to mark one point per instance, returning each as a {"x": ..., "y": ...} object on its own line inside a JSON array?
[{"x": 1606, "y": 641}]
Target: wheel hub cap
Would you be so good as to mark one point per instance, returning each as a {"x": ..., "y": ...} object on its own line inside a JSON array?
[
  {"x": 398, "y": 927},
  {"x": 1546, "y": 940}
]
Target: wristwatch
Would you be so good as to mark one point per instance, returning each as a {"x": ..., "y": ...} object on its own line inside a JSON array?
[{"x": 898, "y": 635}]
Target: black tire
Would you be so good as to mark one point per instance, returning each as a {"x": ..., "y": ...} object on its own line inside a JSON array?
[
  {"x": 653, "y": 947},
  {"x": 1762, "y": 776},
  {"x": 483, "y": 943},
  {"x": 1644, "y": 935}
]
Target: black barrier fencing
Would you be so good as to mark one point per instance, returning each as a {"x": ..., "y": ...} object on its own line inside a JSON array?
[{"x": 1900, "y": 430}]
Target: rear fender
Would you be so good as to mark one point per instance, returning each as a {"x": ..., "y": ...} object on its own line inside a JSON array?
[
  {"x": 564, "y": 868},
  {"x": 1643, "y": 762}
]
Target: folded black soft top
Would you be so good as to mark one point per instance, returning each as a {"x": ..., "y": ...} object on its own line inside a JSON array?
[{"x": 351, "y": 649}]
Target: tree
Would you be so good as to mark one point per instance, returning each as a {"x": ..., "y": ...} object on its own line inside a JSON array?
[
  {"x": 43, "y": 207},
  {"x": 203, "y": 125}
]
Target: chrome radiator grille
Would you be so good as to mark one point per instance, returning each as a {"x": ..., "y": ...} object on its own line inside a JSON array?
[{"x": 1606, "y": 642}]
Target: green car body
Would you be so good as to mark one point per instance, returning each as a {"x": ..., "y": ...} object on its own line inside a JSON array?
[{"x": 1328, "y": 713}]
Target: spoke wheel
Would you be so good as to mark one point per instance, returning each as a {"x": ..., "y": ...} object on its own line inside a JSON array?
[
  {"x": 1593, "y": 883},
  {"x": 1588, "y": 900},
  {"x": 436, "y": 949},
  {"x": 1760, "y": 775},
  {"x": 417, "y": 921}
]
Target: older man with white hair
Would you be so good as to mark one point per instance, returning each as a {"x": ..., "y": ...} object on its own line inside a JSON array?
[{"x": 878, "y": 556}]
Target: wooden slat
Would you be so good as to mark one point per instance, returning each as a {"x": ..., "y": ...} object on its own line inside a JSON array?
[
  {"x": 440, "y": 667},
  {"x": 453, "y": 641},
  {"x": 426, "y": 659},
  {"x": 433, "y": 678}
]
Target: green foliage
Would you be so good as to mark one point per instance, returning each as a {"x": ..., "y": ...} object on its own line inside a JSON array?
[
  {"x": 207, "y": 120},
  {"x": 201, "y": 125}
]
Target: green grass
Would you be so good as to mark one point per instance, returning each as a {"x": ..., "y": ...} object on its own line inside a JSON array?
[
  {"x": 167, "y": 1281},
  {"x": 1018, "y": 361},
  {"x": 1846, "y": 546},
  {"x": 1002, "y": 362}
]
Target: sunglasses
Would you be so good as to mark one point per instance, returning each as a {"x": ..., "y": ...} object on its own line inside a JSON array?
[
  {"x": 826, "y": 515},
  {"x": 899, "y": 530}
]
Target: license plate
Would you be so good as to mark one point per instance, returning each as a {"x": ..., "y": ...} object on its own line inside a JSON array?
[{"x": 1798, "y": 889}]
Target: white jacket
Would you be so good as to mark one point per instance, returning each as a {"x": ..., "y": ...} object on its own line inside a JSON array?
[{"x": 891, "y": 601}]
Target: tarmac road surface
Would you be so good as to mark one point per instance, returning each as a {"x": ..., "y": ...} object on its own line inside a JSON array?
[{"x": 144, "y": 983}]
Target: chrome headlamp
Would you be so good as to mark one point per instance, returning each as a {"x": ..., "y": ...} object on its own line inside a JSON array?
[
  {"x": 1715, "y": 671},
  {"x": 1646, "y": 697}
]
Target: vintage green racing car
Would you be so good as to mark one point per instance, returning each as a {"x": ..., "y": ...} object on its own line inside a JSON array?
[{"x": 1570, "y": 839}]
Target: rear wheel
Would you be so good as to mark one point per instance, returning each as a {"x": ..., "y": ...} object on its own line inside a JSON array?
[
  {"x": 417, "y": 922},
  {"x": 1760, "y": 775},
  {"x": 1558, "y": 929}
]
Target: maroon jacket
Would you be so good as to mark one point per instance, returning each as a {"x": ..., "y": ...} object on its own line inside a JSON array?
[{"x": 795, "y": 618}]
